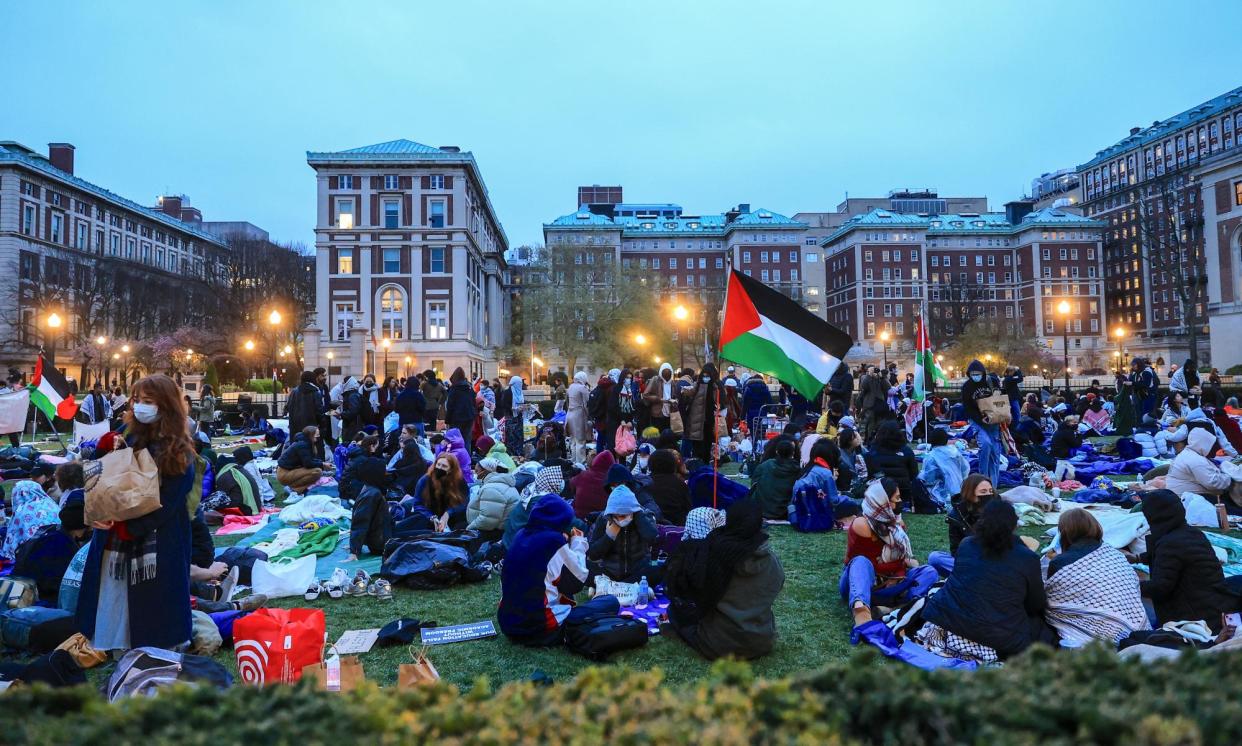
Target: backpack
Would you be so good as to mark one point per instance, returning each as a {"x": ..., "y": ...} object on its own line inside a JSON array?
[
  {"x": 17, "y": 593},
  {"x": 813, "y": 511},
  {"x": 597, "y": 635},
  {"x": 36, "y": 628},
  {"x": 142, "y": 671},
  {"x": 597, "y": 406},
  {"x": 727, "y": 491},
  {"x": 44, "y": 558}
]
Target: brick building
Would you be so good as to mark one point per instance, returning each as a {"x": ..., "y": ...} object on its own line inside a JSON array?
[
  {"x": 105, "y": 265},
  {"x": 1008, "y": 270},
  {"x": 409, "y": 250},
  {"x": 1127, "y": 185}
]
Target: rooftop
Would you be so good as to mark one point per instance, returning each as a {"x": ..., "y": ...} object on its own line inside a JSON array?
[
  {"x": 713, "y": 225},
  {"x": 994, "y": 223},
  {"x": 1159, "y": 130},
  {"x": 14, "y": 152}
]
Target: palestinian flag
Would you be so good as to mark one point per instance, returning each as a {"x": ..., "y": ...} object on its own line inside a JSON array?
[
  {"x": 766, "y": 331},
  {"x": 50, "y": 393},
  {"x": 925, "y": 364}
]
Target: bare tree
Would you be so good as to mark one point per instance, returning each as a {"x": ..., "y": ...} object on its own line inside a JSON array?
[
  {"x": 1170, "y": 242},
  {"x": 960, "y": 303}
]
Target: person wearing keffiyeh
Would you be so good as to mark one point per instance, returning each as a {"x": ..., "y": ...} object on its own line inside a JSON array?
[
  {"x": 32, "y": 510},
  {"x": 880, "y": 566},
  {"x": 549, "y": 480}
]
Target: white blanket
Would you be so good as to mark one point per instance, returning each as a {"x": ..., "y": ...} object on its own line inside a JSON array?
[{"x": 314, "y": 506}]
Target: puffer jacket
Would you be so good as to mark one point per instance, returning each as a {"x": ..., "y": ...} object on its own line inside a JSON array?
[
  {"x": 627, "y": 557},
  {"x": 491, "y": 503},
  {"x": 1186, "y": 578},
  {"x": 1194, "y": 471}
]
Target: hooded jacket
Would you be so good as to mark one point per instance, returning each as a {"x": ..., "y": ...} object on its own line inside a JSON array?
[
  {"x": 1194, "y": 471},
  {"x": 944, "y": 468},
  {"x": 1186, "y": 578},
  {"x": 590, "y": 487},
  {"x": 742, "y": 623},
  {"x": 772, "y": 485},
  {"x": 299, "y": 453},
  {"x": 456, "y": 445},
  {"x": 627, "y": 557},
  {"x": 459, "y": 405},
  {"x": 973, "y": 391},
  {"x": 491, "y": 503},
  {"x": 541, "y": 573},
  {"x": 1065, "y": 441},
  {"x": 410, "y": 406},
  {"x": 305, "y": 405},
  {"x": 655, "y": 392},
  {"x": 499, "y": 452},
  {"x": 370, "y": 525}
]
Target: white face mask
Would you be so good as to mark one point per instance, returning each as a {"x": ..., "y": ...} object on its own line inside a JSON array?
[
  {"x": 976, "y": 377},
  {"x": 146, "y": 413},
  {"x": 707, "y": 379},
  {"x": 642, "y": 461},
  {"x": 623, "y": 522}
]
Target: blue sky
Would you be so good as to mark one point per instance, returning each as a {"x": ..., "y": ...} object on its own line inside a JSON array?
[{"x": 788, "y": 105}]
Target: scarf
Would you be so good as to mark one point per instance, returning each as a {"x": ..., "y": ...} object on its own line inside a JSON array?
[
  {"x": 32, "y": 510},
  {"x": 702, "y": 521},
  {"x": 727, "y": 547},
  {"x": 885, "y": 524},
  {"x": 132, "y": 559},
  {"x": 515, "y": 388},
  {"x": 1096, "y": 597},
  {"x": 625, "y": 398}
]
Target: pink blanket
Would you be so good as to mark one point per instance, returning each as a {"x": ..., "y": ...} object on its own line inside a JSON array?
[{"x": 244, "y": 524}]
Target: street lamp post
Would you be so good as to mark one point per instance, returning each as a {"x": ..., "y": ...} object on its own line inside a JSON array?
[
  {"x": 408, "y": 360},
  {"x": 100, "y": 341},
  {"x": 681, "y": 314},
  {"x": 329, "y": 372},
  {"x": 386, "y": 343},
  {"x": 1120, "y": 333},
  {"x": 273, "y": 319},
  {"x": 884, "y": 337},
  {"x": 1064, "y": 308},
  {"x": 125, "y": 379},
  {"x": 53, "y": 325}
]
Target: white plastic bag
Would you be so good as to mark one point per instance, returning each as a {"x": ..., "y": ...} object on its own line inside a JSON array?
[
  {"x": 391, "y": 422},
  {"x": 281, "y": 578}
]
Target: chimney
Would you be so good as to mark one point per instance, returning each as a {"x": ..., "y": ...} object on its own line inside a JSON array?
[
  {"x": 1018, "y": 209},
  {"x": 61, "y": 155},
  {"x": 1135, "y": 130},
  {"x": 171, "y": 206},
  {"x": 450, "y": 149}
]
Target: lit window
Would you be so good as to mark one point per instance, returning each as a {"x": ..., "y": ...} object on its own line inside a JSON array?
[
  {"x": 437, "y": 320},
  {"x": 345, "y": 214},
  {"x": 392, "y": 313},
  {"x": 344, "y": 261}
]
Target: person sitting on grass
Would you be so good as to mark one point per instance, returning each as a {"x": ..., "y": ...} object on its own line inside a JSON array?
[
  {"x": 772, "y": 482},
  {"x": 1093, "y": 593},
  {"x": 244, "y": 457},
  {"x": 992, "y": 606},
  {"x": 880, "y": 566},
  {"x": 234, "y": 488},
  {"x": 724, "y": 594},
  {"x": 621, "y": 540},
  {"x": 543, "y": 570},
  {"x": 349, "y": 483},
  {"x": 408, "y": 466},
  {"x": 439, "y": 499},
  {"x": 298, "y": 469},
  {"x": 968, "y": 505},
  {"x": 1095, "y": 416},
  {"x": 492, "y": 500},
  {"x": 1186, "y": 581},
  {"x": 668, "y": 486},
  {"x": 944, "y": 468},
  {"x": 1065, "y": 443},
  {"x": 819, "y": 476},
  {"x": 549, "y": 480},
  {"x": 853, "y": 467},
  {"x": 1193, "y": 470},
  {"x": 890, "y": 456},
  {"x": 371, "y": 524}
]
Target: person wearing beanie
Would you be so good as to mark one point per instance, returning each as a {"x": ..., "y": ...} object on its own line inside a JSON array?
[
  {"x": 244, "y": 457},
  {"x": 238, "y": 487},
  {"x": 46, "y": 555},
  {"x": 493, "y": 499},
  {"x": 619, "y": 475},
  {"x": 544, "y": 568},
  {"x": 621, "y": 540},
  {"x": 642, "y": 460},
  {"x": 944, "y": 468},
  {"x": 483, "y": 445}
]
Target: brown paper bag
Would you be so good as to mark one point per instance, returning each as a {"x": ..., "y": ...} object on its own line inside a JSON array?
[
  {"x": 421, "y": 671},
  {"x": 674, "y": 422},
  {"x": 340, "y": 673},
  {"x": 995, "y": 409},
  {"x": 122, "y": 485}
]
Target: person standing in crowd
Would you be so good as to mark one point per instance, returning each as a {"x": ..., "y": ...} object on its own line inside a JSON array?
[
  {"x": 207, "y": 411},
  {"x": 597, "y": 408},
  {"x": 873, "y": 395},
  {"x": 411, "y": 407},
  {"x": 1186, "y": 379},
  {"x": 1010, "y": 386},
  {"x": 95, "y": 407},
  {"x": 433, "y": 394},
  {"x": 620, "y": 403},
  {"x": 510, "y": 405},
  {"x": 352, "y": 409},
  {"x": 841, "y": 386},
  {"x": 1144, "y": 388},
  {"x": 731, "y": 404},
  {"x": 991, "y": 452},
  {"x": 135, "y": 585},
  {"x": 459, "y": 410},
  {"x": 755, "y": 396},
  {"x": 702, "y": 403},
  {"x": 304, "y": 408},
  {"x": 577, "y": 421},
  {"x": 659, "y": 397}
]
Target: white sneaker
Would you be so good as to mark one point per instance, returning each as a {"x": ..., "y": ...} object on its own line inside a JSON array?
[{"x": 336, "y": 584}]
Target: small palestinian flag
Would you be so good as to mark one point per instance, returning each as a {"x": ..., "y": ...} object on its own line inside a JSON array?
[
  {"x": 50, "y": 393},
  {"x": 766, "y": 331}
]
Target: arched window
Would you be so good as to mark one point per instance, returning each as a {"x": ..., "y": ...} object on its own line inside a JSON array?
[{"x": 392, "y": 312}]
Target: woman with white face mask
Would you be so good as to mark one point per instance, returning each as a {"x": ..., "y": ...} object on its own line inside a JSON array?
[
  {"x": 136, "y": 589},
  {"x": 621, "y": 540}
]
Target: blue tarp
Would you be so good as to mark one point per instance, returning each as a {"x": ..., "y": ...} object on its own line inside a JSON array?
[{"x": 882, "y": 638}]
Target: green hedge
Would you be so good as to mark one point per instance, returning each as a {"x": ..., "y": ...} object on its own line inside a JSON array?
[{"x": 1065, "y": 698}]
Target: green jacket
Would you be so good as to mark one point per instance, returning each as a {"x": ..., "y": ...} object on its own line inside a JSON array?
[
  {"x": 771, "y": 485},
  {"x": 742, "y": 624}
]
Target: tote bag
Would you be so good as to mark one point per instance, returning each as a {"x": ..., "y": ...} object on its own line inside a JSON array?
[
  {"x": 276, "y": 645},
  {"x": 122, "y": 485},
  {"x": 280, "y": 578},
  {"x": 995, "y": 409}
]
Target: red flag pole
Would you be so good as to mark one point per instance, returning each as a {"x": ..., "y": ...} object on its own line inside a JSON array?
[{"x": 715, "y": 448}]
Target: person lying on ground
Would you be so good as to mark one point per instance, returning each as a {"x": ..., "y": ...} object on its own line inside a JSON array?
[
  {"x": 995, "y": 595},
  {"x": 880, "y": 566},
  {"x": 725, "y": 589}
]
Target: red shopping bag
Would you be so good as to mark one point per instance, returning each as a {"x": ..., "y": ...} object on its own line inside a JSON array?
[{"x": 274, "y": 645}]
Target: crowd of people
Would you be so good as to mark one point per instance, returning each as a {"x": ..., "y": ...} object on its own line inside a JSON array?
[{"x": 602, "y": 489}]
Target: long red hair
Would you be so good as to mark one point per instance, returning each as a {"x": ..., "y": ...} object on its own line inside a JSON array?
[
  {"x": 168, "y": 438},
  {"x": 444, "y": 490}
]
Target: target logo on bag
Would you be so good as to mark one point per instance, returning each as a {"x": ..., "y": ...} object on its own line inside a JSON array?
[{"x": 251, "y": 661}]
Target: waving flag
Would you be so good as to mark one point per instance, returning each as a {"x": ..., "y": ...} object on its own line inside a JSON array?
[
  {"x": 772, "y": 334},
  {"x": 50, "y": 392},
  {"x": 924, "y": 364}
]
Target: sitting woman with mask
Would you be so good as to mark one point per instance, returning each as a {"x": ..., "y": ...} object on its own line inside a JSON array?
[
  {"x": 621, "y": 540},
  {"x": 439, "y": 499}
]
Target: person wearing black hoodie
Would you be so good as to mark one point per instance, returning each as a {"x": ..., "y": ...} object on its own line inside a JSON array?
[
  {"x": 411, "y": 407},
  {"x": 459, "y": 408},
  {"x": 371, "y": 523},
  {"x": 991, "y": 452},
  {"x": 668, "y": 488},
  {"x": 890, "y": 456},
  {"x": 1186, "y": 581},
  {"x": 305, "y": 407}
]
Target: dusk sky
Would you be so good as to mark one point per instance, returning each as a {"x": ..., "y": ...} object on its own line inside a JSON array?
[{"x": 780, "y": 104}]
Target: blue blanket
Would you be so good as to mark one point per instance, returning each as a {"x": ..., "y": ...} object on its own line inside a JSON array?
[{"x": 907, "y": 651}]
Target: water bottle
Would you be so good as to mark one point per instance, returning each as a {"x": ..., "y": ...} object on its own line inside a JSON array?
[{"x": 644, "y": 593}]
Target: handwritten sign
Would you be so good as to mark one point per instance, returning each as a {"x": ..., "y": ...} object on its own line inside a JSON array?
[
  {"x": 458, "y": 633},
  {"x": 357, "y": 641}
]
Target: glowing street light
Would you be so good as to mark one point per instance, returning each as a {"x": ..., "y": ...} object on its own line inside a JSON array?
[
  {"x": 288, "y": 349},
  {"x": 884, "y": 337},
  {"x": 101, "y": 340},
  {"x": 273, "y": 318},
  {"x": 1120, "y": 334},
  {"x": 249, "y": 345},
  {"x": 1064, "y": 309},
  {"x": 125, "y": 349}
]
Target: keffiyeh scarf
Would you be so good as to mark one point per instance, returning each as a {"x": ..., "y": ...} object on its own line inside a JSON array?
[
  {"x": 885, "y": 524},
  {"x": 702, "y": 521}
]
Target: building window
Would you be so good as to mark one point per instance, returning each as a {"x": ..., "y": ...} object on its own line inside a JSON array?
[
  {"x": 437, "y": 320},
  {"x": 702, "y": 262},
  {"x": 28, "y": 220},
  {"x": 345, "y": 214},
  {"x": 810, "y": 257},
  {"x": 672, "y": 261},
  {"x": 29, "y": 268},
  {"x": 437, "y": 181},
  {"x": 745, "y": 258},
  {"x": 130, "y": 246},
  {"x": 763, "y": 275},
  {"x": 390, "y": 181},
  {"x": 392, "y": 261},
  {"x": 1237, "y": 193},
  {"x": 57, "y": 222},
  {"x": 344, "y": 261},
  {"x": 392, "y": 213},
  {"x": 793, "y": 275},
  {"x": 719, "y": 263},
  {"x": 437, "y": 259},
  {"x": 763, "y": 257},
  {"x": 342, "y": 319},
  {"x": 345, "y": 181},
  {"x": 82, "y": 236},
  {"x": 437, "y": 213},
  {"x": 392, "y": 313}
]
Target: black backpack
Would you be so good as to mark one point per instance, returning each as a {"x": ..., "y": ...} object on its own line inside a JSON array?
[
  {"x": 597, "y": 638},
  {"x": 597, "y": 405}
]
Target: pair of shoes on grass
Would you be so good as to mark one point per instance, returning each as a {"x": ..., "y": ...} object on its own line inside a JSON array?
[{"x": 341, "y": 585}]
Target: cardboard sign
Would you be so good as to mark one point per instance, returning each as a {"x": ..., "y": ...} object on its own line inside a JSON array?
[
  {"x": 357, "y": 641},
  {"x": 458, "y": 633}
]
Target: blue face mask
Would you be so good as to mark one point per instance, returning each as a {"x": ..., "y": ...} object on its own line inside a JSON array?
[{"x": 976, "y": 377}]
